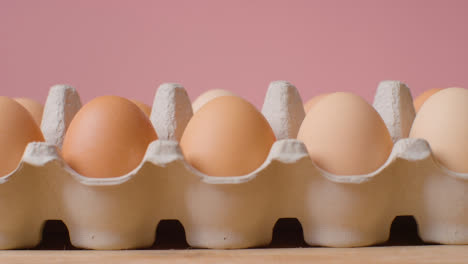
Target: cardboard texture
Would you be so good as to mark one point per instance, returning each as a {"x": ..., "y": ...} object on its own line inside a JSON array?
[{"x": 232, "y": 212}]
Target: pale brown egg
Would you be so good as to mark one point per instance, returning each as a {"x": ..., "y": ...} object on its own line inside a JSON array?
[
  {"x": 313, "y": 101},
  {"x": 443, "y": 122},
  {"x": 108, "y": 137},
  {"x": 422, "y": 98},
  {"x": 17, "y": 129},
  {"x": 345, "y": 135},
  {"x": 144, "y": 107},
  {"x": 208, "y": 96},
  {"x": 34, "y": 108},
  {"x": 228, "y": 136}
]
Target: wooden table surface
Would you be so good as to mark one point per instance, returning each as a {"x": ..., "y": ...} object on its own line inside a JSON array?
[{"x": 392, "y": 254}]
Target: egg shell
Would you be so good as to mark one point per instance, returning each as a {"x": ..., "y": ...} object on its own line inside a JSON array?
[
  {"x": 422, "y": 98},
  {"x": 313, "y": 101},
  {"x": 234, "y": 212},
  {"x": 143, "y": 107},
  {"x": 208, "y": 96},
  {"x": 443, "y": 122},
  {"x": 108, "y": 137},
  {"x": 17, "y": 129},
  {"x": 34, "y": 108},
  {"x": 237, "y": 142},
  {"x": 363, "y": 148}
]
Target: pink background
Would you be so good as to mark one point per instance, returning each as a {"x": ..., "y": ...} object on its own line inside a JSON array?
[{"x": 128, "y": 48}]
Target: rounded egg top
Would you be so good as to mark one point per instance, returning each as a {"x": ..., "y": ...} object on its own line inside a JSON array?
[
  {"x": 228, "y": 136},
  {"x": 443, "y": 122},
  {"x": 345, "y": 135},
  {"x": 17, "y": 129},
  {"x": 108, "y": 137}
]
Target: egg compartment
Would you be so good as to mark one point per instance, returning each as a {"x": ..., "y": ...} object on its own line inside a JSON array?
[{"x": 232, "y": 212}]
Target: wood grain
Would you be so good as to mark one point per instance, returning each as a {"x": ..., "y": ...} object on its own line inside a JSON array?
[{"x": 396, "y": 254}]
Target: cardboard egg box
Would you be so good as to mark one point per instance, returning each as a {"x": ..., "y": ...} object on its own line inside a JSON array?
[{"x": 232, "y": 212}]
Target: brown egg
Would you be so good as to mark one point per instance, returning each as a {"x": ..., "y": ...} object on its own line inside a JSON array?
[
  {"x": 227, "y": 137},
  {"x": 443, "y": 122},
  {"x": 17, "y": 129},
  {"x": 144, "y": 107},
  {"x": 313, "y": 101},
  {"x": 108, "y": 137},
  {"x": 421, "y": 99},
  {"x": 345, "y": 135},
  {"x": 34, "y": 108},
  {"x": 208, "y": 96}
]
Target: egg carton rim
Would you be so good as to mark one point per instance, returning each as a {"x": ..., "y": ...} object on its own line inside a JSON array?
[
  {"x": 162, "y": 153},
  {"x": 171, "y": 104}
]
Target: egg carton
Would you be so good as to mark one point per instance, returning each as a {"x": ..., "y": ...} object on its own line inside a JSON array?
[{"x": 232, "y": 212}]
